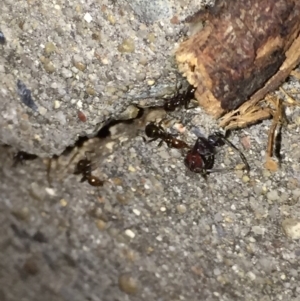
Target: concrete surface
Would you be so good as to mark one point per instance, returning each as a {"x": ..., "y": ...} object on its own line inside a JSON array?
[
  {"x": 154, "y": 231},
  {"x": 96, "y": 57}
]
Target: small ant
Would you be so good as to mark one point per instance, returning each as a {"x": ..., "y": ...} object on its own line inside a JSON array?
[
  {"x": 84, "y": 167},
  {"x": 180, "y": 99},
  {"x": 156, "y": 131},
  {"x": 21, "y": 156},
  {"x": 200, "y": 159}
]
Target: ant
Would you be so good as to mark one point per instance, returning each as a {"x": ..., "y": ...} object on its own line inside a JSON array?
[
  {"x": 180, "y": 99},
  {"x": 21, "y": 156},
  {"x": 156, "y": 131},
  {"x": 200, "y": 159},
  {"x": 84, "y": 167}
]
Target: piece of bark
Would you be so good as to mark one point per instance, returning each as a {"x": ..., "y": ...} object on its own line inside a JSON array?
[
  {"x": 242, "y": 45},
  {"x": 254, "y": 109}
]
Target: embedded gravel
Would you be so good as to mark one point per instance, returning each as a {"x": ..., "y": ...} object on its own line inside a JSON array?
[
  {"x": 154, "y": 231},
  {"x": 93, "y": 57}
]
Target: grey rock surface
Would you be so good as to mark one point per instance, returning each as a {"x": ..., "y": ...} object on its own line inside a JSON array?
[
  {"x": 94, "y": 57},
  {"x": 154, "y": 231}
]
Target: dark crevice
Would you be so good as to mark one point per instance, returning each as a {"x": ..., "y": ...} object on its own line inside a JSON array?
[{"x": 104, "y": 132}]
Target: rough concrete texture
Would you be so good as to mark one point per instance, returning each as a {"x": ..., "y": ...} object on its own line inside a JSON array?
[
  {"x": 92, "y": 56},
  {"x": 154, "y": 231}
]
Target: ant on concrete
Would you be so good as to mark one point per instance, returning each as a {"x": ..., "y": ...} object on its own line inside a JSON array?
[
  {"x": 156, "y": 131},
  {"x": 200, "y": 159},
  {"x": 180, "y": 99},
  {"x": 84, "y": 167},
  {"x": 21, "y": 156}
]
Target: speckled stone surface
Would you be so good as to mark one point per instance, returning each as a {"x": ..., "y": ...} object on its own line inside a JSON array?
[
  {"x": 96, "y": 57},
  {"x": 154, "y": 231}
]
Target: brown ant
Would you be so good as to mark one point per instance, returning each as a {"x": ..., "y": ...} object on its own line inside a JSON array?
[
  {"x": 21, "y": 156},
  {"x": 84, "y": 167},
  {"x": 200, "y": 159},
  {"x": 180, "y": 99},
  {"x": 156, "y": 131}
]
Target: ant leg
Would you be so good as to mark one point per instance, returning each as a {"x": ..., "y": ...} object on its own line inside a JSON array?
[
  {"x": 160, "y": 123},
  {"x": 72, "y": 159},
  {"x": 189, "y": 95},
  {"x": 278, "y": 140},
  {"x": 160, "y": 143},
  {"x": 213, "y": 170},
  {"x": 151, "y": 140},
  {"x": 226, "y": 141}
]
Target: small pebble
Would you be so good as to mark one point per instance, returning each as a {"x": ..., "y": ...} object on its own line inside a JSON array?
[
  {"x": 42, "y": 110},
  {"x": 123, "y": 199},
  {"x": 91, "y": 91},
  {"x": 245, "y": 179},
  {"x": 128, "y": 284},
  {"x": 66, "y": 73},
  {"x": 258, "y": 230},
  {"x": 129, "y": 233},
  {"x": 79, "y": 104},
  {"x": 49, "y": 48},
  {"x": 101, "y": 225},
  {"x": 79, "y": 63},
  {"x": 150, "y": 82},
  {"x": 273, "y": 195},
  {"x": 111, "y": 19},
  {"x": 127, "y": 46},
  {"x": 22, "y": 214},
  {"x": 50, "y": 191},
  {"x": 88, "y": 18},
  {"x": 266, "y": 173},
  {"x": 158, "y": 238},
  {"x": 181, "y": 208},
  {"x": 251, "y": 276},
  {"x": 36, "y": 191},
  {"x": 49, "y": 67},
  {"x": 56, "y": 104},
  {"x": 63, "y": 203},
  {"x": 136, "y": 212},
  {"x": 291, "y": 228},
  {"x": 131, "y": 168},
  {"x": 217, "y": 272}
]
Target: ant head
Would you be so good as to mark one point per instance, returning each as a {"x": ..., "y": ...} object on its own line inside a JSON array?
[
  {"x": 151, "y": 129},
  {"x": 169, "y": 105},
  {"x": 81, "y": 166},
  {"x": 216, "y": 139}
]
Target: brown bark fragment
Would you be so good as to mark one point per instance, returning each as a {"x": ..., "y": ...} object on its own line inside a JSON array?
[
  {"x": 251, "y": 111},
  {"x": 241, "y": 47}
]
